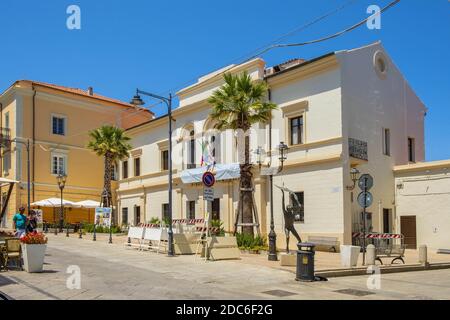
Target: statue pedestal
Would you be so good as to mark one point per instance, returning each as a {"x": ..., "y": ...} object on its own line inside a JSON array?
[{"x": 288, "y": 259}]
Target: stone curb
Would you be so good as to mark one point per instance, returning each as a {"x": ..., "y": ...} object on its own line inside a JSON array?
[{"x": 384, "y": 270}]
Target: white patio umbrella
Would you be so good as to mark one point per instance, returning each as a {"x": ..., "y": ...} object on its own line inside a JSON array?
[
  {"x": 88, "y": 204},
  {"x": 54, "y": 202}
]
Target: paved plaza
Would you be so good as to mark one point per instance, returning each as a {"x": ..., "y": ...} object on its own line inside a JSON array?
[{"x": 109, "y": 271}]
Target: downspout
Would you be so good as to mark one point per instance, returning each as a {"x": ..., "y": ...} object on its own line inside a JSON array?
[{"x": 34, "y": 141}]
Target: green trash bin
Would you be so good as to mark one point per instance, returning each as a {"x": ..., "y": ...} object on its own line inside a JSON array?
[{"x": 305, "y": 262}]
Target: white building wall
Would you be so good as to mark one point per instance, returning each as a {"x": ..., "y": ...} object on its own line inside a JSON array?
[
  {"x": 371, "y": 103},
  {"x": 426, "y": 195}
]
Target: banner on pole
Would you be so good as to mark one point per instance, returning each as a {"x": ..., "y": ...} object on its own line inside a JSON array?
[{"x": 103, "y": 216}]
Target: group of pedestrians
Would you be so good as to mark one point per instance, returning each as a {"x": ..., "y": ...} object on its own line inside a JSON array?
[{"x": 23, "y": 224}]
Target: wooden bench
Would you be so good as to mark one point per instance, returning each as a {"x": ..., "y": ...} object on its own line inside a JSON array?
[{"x": 331, "y": 243}]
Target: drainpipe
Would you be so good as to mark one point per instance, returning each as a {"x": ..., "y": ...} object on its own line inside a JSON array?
[{"x": 33, "y": 140}]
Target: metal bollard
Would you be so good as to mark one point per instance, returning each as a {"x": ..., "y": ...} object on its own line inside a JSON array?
[
  {"x": 67, "y": 230},
  {"x": 371, "y": 255},
  {"x": 423, "y": 255},
  {"x": 80, "y": 232},
  {"x": 305, "y": 262}
]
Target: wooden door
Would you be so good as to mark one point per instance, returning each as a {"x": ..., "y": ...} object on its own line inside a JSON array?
[{"x": 408, "y": 229}]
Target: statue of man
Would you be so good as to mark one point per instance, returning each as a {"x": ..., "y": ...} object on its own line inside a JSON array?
[{"x": 289, "y": 218}]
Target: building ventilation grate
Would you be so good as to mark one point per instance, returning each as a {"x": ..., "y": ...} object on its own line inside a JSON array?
[
  {"x": 355, "y": 292},
  {"x": 279, "y": 293}
]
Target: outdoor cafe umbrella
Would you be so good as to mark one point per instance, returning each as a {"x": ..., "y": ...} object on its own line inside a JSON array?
[{"x": 53, "y": 203}]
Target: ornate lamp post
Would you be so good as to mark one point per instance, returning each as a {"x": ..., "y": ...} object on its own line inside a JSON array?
[
  {"x": 354, "y": 174},
  {"x": 282, "y": 150},
  {"x": 137, "y": 101},
  {"x": 61, "y": 179}
]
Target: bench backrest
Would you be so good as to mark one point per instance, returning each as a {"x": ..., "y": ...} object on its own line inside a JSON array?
[
  {"x": 153, "y": 234},
  {"x": 136, "y": 232}
]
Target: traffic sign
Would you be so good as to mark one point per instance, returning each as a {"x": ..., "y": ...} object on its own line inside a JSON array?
[
  {"x": 208, "y": 194},
  {"x": 365, "y": 199},
  {"x": 365, "y": 182},
  {"x": 208, "y": 179}
]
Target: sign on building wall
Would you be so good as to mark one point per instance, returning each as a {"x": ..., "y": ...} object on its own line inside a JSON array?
[
  {"x": 103, "y": 216},
  {"x": 357, "y": 149}
]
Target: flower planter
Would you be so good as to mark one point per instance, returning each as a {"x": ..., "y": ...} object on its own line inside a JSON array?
[{"x": 33, "y": 257}]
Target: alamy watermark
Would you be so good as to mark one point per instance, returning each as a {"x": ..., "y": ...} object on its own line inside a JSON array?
[
  {"x": 73, "y": 21},
  {"x": 73, "y": 282},
  {"x": 374, "y": 21}
]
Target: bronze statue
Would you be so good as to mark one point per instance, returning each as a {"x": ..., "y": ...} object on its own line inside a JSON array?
[{"x": 289, "y": 213}]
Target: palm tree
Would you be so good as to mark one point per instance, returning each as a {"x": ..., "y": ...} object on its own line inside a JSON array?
[
  {"x": 238, "y": 104},
  {"x": 111, "y": 143}
]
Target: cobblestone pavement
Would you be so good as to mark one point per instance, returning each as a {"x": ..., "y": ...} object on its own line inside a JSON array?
[{"x": 113, "y": 272}]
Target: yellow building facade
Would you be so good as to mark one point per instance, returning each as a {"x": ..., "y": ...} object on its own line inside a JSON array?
[{"x": 56, "y": 120}]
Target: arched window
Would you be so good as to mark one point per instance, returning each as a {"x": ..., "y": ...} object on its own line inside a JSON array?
[{"x": 191, "y": 152}]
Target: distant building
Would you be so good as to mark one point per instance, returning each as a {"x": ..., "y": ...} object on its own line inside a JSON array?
[
  {"x": 56, "y": 121},
  {"x": 349, "y": 108}
]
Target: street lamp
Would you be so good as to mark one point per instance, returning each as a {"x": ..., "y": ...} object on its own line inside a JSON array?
[
  {"x": 282, "y": 150},
  {"x": 137, "y": 101},
  {"x": 354, "y": 174},
  {"x": 61, "y": 179}
]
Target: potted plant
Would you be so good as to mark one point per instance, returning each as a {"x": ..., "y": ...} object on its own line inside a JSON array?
[{"x": 33, "y": 251}]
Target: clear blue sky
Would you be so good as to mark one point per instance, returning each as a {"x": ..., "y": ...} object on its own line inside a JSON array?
[{"x": 161, "y": 46}]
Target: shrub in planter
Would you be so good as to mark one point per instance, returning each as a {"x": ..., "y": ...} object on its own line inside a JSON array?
[{"x": 33, "y": 251}]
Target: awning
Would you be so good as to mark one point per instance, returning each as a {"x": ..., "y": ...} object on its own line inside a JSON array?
[
  {"x": 53, "y": 202},
  {"x": 4, "y": 181},
  {"x": 222, "y": 172}
]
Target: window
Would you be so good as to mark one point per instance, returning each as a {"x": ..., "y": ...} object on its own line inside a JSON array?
[
  {"x": 165, "y": 160},
  {"x": 296, "y": 130},
  {"x": 411, "y": 150},
  {"x": 137, "y": 215},
  {"x": 7, "y": 119},
  {"x": 165, "y": 211},
  {"x": 137, "y": 167},
  {"x": 190, "y": 207},
  {"x": 298, "y": 203},
  {"x": 125, "y": 170},
  {"x": 124, "y": 215},
  {"x": 58, "y": 125},
  {"x": 114, "y": 172},
  {"x": 59, "y": 164},
  {"x": 191, "y": 163},
  {"x": 215, "y": 211},
  {"x": 6, "y": 163},
  {"x": 386, "y": 142}
]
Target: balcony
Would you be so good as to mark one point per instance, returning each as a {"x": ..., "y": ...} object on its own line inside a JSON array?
[{"x": 5, "y": 138}]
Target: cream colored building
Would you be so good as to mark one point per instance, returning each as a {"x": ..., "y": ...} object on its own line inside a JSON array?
[
  {"x": 423, "y": 203},
  {"x": 56, "y": 120},
  {"x": 349, "y": 108}
]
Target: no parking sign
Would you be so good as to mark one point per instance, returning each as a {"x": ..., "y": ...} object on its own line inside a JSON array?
[{"x": 208, "y": 179}]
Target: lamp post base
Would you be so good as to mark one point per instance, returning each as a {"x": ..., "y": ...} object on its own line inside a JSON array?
[{"x": 272, "y": 256}]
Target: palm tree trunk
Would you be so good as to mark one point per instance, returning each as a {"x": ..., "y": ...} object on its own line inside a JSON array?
[
  {"x": 246, "y": 185},
  {"x": 106, "y": 194}
]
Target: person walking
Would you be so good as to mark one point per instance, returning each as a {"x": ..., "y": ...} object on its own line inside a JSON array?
[
  {"x": 20, "y": 222},
  {"x": 32, "y": 222}
]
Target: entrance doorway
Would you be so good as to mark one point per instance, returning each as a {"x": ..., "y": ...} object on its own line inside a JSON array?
[
  {"x": 215, "y": 210},
  {"x": 408, "y": 229},
  {"x": 387, "y": 220}
]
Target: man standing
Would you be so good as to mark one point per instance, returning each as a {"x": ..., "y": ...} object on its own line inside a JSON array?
[{"x": 20, "y": 222}]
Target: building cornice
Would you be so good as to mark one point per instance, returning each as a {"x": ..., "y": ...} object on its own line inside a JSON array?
[
  {"x": 421, "y": 166},
  {"x": 305, "y": 70}
]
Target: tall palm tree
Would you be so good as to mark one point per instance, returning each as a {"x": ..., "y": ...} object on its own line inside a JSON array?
[
  {"x": 111, "y": 143},
  {"x": 238, "y": 104}
]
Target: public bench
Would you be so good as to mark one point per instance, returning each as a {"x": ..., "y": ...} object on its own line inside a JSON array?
[
  {"x": 330, "y": 243},
  {"x": 391, "y": 251}
]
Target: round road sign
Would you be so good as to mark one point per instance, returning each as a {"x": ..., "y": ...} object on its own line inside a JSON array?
[
  {"x": 365, "y": 199},
  {"x": 365, "y": 182},
  {"x": 208, "y": 179}
]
